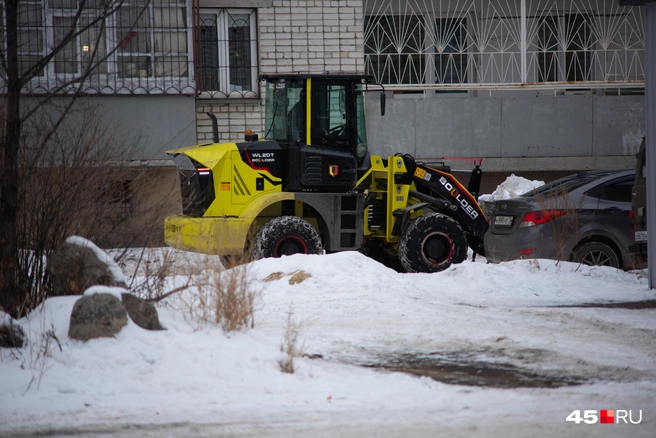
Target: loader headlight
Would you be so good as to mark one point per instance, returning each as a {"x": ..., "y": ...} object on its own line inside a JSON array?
[{"x": 361, "y": 150}]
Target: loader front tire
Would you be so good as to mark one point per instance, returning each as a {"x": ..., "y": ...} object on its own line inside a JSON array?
[
  {"x": 432, "y": 243},
  {"x": 286, "y": 235}
]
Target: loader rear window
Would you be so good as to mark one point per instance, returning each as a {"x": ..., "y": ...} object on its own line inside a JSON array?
[
  {"x": 285, "y": 116},
  {"x": 197, "y": 189}
]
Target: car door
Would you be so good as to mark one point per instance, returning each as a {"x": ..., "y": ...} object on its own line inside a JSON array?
[{"x": 613, "y": 209}]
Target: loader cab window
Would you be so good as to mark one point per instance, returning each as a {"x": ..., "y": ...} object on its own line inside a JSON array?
[
  {"x": 330, "y": 115},
  {"x": 285, "y": 117},
  {"x": 361, "y": 123}
]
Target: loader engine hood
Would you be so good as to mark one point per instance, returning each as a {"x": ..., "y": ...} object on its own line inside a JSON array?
[
  {"x": 207, "y": 156},
  {"x": 197, "y": 167},
  {"x": 228, "y": 173}
]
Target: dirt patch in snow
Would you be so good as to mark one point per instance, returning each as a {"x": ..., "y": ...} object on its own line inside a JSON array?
[
  {"x": 296, "y": 277},
  {"x": 648, "y": 304},
  {"x": 274, "y": 276},
  {"x": 299, "y": 277},
  {"x": 487, "y": 374},
  {"x": 486, "y": 367}
]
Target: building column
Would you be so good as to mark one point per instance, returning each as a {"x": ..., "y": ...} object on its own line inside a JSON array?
[{"x": 650, "y": 138}]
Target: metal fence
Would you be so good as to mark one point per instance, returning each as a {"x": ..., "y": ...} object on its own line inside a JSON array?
[{"x": 447, "y": 44}]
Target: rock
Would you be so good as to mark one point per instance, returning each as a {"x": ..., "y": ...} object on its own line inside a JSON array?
[
  {"x": 141, "y": 312},
  {"x": 79, "y": 264},
  {"x": 12, "y": 335},
  {"x": 99, "y": 315}
]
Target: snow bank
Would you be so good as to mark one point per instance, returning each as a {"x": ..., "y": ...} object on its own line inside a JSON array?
[
  {"x": 351, "y": 310},
  {"x": 512, "y": 187}
]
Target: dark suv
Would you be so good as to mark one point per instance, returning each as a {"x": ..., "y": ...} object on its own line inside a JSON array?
[{"x": 582, "y": 217}]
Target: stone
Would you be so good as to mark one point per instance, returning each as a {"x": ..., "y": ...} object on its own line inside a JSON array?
[
  {"x": 143, "y": 313},
  {"x": 12, "y": 335},
  {"x": 75, "y": 266},
  {"x": 97, "y": 316}
]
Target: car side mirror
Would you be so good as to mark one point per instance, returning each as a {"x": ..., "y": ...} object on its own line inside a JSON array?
[{"x": 382, "y": 103}]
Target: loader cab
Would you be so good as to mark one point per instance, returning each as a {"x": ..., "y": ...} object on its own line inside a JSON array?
[{"x": 321, "y": 111}]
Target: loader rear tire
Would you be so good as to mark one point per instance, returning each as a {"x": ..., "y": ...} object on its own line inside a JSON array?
[
  {"x": 286, "y": 235},
  {"x": 432, "y": 243}
]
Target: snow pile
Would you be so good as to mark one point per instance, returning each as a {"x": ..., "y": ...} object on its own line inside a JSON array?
[
  {"x": 194, "y": 380},
  {"x": 512, "y": 187}
]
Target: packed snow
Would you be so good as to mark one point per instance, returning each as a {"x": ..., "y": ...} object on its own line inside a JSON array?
[
  {"x": 354, "y": 315},
  {"x": 512, "y": 187}
]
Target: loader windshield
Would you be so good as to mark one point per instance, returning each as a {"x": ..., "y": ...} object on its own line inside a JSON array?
[{"x": 285, "y": 114}]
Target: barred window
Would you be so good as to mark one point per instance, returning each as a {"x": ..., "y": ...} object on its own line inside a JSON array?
[
  {"x": 467, "y": 42},
  {"x": 569, "y": 60},
  {"x": 228, "y": 53},
  {"x": 451, "y": 51},
  {"x": 31, "y": 35},
  {"x": 139, "y": 47},
  {"x": 394, "y": 48},
  {"x": 153, "y": 41}
]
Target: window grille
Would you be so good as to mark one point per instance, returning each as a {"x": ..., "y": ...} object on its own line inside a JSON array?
[
  {"x": 128, "y": 46},
  {"x": 480, "y": 44}
]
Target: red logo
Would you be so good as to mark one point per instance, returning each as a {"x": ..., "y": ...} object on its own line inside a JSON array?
[
  {"x": 607, "y": 416},
  {"x": 333, "y": 170}
]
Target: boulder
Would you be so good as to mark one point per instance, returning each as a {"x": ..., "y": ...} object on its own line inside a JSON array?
[
  {"x": 12, "y": 335},
  {"x": 141, "y": 312},
  {"x": 79, "y": 264},
  {"x": 100, "y": 315}
]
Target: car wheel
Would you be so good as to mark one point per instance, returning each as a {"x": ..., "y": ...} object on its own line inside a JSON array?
[
  {"x": 596, "y": 254},
  {"x": 432, "y": 243},
  {"x": 286, "y": 235}
]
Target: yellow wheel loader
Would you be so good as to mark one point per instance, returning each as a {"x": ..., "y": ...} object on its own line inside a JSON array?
[{"x": 310, "y": 185}]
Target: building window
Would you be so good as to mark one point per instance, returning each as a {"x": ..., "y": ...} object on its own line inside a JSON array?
[
  {"x": 450, "y": 51},
  {"x": 142, "y": 47},
  {"x": 573, "y": 62},
  {"x": 89, "y": 47},
  {"x": 152, "y": 42},
  {"x": 228, "y": 53},
  {"x": 405, "y": 49},
  {"x": 394, "y": 48},
  {"x": 31, "y": 38},
  {"x": 579, "y": 49}
]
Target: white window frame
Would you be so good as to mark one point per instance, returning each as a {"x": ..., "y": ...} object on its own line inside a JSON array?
[{"x": 223, "y": 27}]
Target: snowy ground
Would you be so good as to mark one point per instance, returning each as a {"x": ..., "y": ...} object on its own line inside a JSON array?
[{"x": 195, "y": 380}]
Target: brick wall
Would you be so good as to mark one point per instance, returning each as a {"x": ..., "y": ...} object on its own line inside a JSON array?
[{"x": 294, "y": 37}]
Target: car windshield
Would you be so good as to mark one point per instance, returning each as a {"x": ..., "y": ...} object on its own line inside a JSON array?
[{"x": 565, "y": 185}]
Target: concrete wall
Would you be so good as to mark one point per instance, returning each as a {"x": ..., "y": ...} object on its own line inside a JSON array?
[
  {"x": 158, "y": 122},
  {"x": 294, "y": 36},
  {"x": 137, "y": 127},
  {"x": 523, "y": 133}
]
